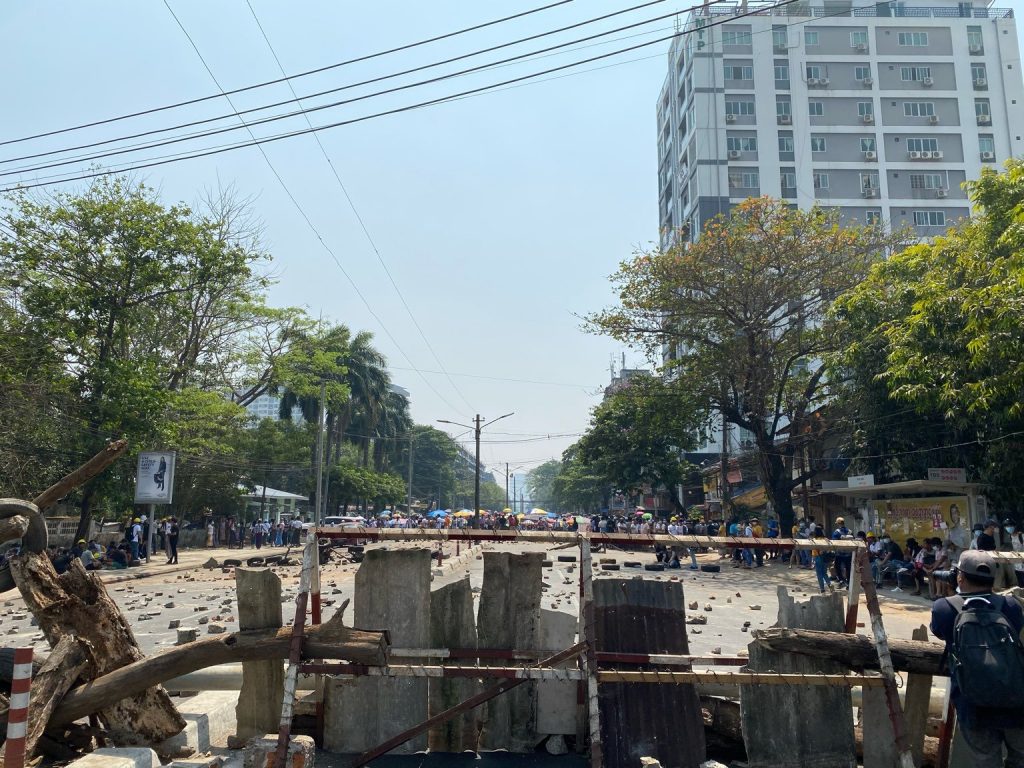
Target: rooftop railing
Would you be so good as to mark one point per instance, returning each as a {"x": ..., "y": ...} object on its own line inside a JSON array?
[{"x": 883, "y": 11}]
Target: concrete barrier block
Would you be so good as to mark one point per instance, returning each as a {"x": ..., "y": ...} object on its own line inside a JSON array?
[
  {"x": 118, "y": 757},
  {"x": 556, "y": 701},
  {"x": 209, "y": 721},
  {"x": 262, "y": 753}
]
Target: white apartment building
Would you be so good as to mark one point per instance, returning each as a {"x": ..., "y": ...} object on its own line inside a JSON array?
[{"x": 881, "y": 110}]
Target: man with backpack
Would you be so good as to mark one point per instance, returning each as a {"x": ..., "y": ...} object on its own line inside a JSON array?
[{"x": 982, "y": 632}]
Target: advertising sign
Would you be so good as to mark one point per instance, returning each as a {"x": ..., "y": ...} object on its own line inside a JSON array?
[
  {"x": 154, "y": 481},
  {"x": 949, "y": 474},
  {"x": 944, "y": 517},
  {"x": 860, "y": 481}
]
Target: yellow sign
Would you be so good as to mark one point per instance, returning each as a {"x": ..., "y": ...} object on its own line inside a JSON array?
[{"x": 944, "y": 517}]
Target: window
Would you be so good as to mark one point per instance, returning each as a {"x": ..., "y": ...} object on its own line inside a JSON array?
[
  {"x": 857, "y": 39},
  {"x": 914, "y": 74},
  {"x": 735, "y": 37},
  {"x": 873, "y": 218},
  {"x": 739, "y": 107},
  {"x": 783, "y": 107},
  {"x": 913, "y": 39},
  {"x": 861, "y": 73},
  {"x": 816, "y": 108},
  {"x": 810, "y": 37},
  {"x": 922, "y": 145},
  {"x": 820, "y": 180},
  {"x": 867, "y": 144},
  {"x": 929, "y": 218},
  {"x": 780, "y": 39},
  {"x": 981, "y": 107},
  {"x": 818, "y": 144},
  {"x": 978, "y": 73},
  {"x": 974, "y": 40},
  {"x": 865, "y": 108},
  {"x": 738, "y": 72},
  {"x": 986, "y": 144},
  {"x": 813, "y": 72},
  {"x": 926, "y": 181},
  {"x": 869, "y": 181},
  {"x": 788, "y": 180},
  {"x": 745, "y": 180},
  {"x": 782, "y": 73},
  {"x": 741, "y": 143},
  {"x": 785, "y": 145},
  {"x": 918, "y": 109}
]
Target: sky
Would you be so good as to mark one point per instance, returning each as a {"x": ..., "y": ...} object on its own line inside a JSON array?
[{"x": 499, "y": 216}]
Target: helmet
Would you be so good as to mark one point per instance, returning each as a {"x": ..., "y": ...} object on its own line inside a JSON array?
[
  {"x": 136, "y": 520},
  {"x": 840, "y": 521}
]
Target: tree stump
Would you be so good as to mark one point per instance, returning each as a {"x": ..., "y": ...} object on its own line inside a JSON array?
[{"x": 76, "y": 603}]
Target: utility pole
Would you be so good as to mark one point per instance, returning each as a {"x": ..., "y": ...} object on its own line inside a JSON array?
[
  {"x": 725, "y": 466},
  {"x": 320, "y": 455},
  {"x": 477, "y": 426},
  {"x": 409, "y": 503},
  {"x": 506, "y": 485}
]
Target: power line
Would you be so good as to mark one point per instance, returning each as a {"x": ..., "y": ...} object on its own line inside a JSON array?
[
  {"x": 398, "y": 110},
  {"x": 306, "y": 73},
  {"x": 359, "y": 218},
  {"x": 141, "y": 147}
]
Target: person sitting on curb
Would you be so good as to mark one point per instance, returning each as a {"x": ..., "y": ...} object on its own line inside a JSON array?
[{"x": 982, "y": 633}]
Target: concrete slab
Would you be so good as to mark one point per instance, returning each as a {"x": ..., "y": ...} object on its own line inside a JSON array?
[
  {"x": 452, "y": 625},
  {"x": 210, "y": 720},
  {"x": 556, "y": 702},
  {"x": 118, "y": 757},
  {"x": 392, "y": 591}
]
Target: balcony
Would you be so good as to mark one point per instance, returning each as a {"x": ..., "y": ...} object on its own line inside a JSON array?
[{"x": 803, "y": 10}]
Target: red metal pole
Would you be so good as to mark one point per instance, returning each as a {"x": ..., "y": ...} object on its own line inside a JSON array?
[{"x": 17, "y": 716}]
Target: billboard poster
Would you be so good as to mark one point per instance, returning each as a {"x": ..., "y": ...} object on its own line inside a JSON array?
[
  {"x": 942, "y": 516},
  {"x": 154, "y": 480}
]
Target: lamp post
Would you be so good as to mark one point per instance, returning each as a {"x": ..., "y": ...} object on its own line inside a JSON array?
[{"x": 477, "y": 426}]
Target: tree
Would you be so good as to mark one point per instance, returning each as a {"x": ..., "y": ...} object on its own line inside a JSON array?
[
  {"x": 744, "y": 311},
  {"x": 137, "y": 300},
  {"x": 539, "y": 483},
  {"x": 934, "y": 357},
  {"x": 579, "y": 486}
]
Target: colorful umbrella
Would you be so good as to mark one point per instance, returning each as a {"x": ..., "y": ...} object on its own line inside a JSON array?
[{"x": 464, "y": 513}]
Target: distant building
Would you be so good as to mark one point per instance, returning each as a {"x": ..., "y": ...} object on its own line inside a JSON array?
[{"x": 269, "y": 407}]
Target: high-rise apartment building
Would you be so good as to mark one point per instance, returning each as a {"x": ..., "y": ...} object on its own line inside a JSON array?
[{"x": 880, "y": 110}]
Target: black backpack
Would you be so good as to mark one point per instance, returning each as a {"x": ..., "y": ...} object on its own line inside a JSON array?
[{"x": 986, "y": 658}]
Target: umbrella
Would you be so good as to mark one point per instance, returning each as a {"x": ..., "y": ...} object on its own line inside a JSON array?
[
  {"x": 537, "y": 511},
  {"x": 648, "y": 515},
  {"x": 438, "y": 513},
  {"x": 506, "y": 510},
  {"x": 553, "y": 515},
  {"x": 464, "y": 513}
]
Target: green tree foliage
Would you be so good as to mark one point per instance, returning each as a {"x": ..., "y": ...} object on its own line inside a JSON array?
[
  {"x": 744, "y": 312},
  {"x": 934, "y": 363},
  {"x": 580, "y": 486},
  {"x": 540, "y": 482}
]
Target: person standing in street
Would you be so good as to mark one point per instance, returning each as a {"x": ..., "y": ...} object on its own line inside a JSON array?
[
  {"x": 172, "y": 542},
  {"x": 982, "y": 633},
  {"x": 135, "y": 538}
]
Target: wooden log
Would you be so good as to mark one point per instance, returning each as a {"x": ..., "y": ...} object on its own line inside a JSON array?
[
  {"x": 854, "y": 651},
  {"x": 13, "y": 528},
  {"x": 331, "y": 640},
  {"x": 70, "y": 658},
  {"x": 83, "y": 474},
  {"x": 77, "y": 603}
]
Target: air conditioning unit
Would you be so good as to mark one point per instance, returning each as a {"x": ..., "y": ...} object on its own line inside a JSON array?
[
  {"x": 914, "y": 155},
  {"x": 941, "y": 192},
  {"x": 926, "y": 154},
  {"x": 988, "y": 156},
  {"x": 812, "y": 81},
  {"x": 981, "y": 82},
  {"x": 868, "y": 82},
  {"x": 870, "y": 192},
  {"x": 984, "y": 120},
  {"x": 823, "y": 81},
  {"x": 927, "y": 82},
  {"x": 933, "y": 119},
  {"x": 862, "y": 46},
  {"x": 870, "y": 155},
  {"x": 976, "y": 49},
  {"x": 936, "y": 154},
  {"x": 868, "y": 118},
  {"x": 734, "y": 154},
  {"x": 730, "y": 118},
  {"x": 785, "y": 119}
]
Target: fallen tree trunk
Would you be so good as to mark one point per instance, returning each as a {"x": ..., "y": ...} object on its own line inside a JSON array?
[
  {"x": 332, "y": 640},
  {"x": 83, "y": 474},
  {"x": 854, "y": 651},
  {"x": 77, "y": 603},
  {"x": 69, "y": 659}
]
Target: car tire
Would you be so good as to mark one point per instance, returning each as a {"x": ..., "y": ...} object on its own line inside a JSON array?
[
  {"x": 35, "y": 538},
  {"x": 232, "y": 563},
  {"x": 654, "y": 567},
  {"x": 711, "y": 568},
  {"x": 254, "y": 562},
  {"x": 567, "y": 558}
]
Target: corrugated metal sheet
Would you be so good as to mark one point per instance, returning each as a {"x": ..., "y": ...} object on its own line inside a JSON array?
[{"x": 639, "y": 719}]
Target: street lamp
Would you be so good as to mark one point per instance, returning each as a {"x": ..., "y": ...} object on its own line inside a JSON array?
[{"x": 478, "y": 424}]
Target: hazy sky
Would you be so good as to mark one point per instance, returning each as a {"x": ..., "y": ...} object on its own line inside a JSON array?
[{"x": 500, "y": 216}]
